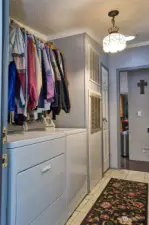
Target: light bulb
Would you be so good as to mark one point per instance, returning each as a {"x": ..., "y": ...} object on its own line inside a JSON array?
[{"x": 114, "y": 42}]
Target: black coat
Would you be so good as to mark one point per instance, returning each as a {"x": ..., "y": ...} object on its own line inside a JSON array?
[{"x": 65, "y": 93}]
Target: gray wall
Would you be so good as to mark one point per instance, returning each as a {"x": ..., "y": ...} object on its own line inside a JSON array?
[
  {"x": 138, "y": 124},
  {"x": 73, "y": 48},
  {"x": 132, "y": 57}
]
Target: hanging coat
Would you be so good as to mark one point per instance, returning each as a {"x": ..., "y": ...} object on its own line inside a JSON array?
[
  {"x": 65, "y": 93},
  {"x": 38, "y": 74},
  {"x": 56, "y": 106},
  {"x": 32, "y": 84},
  {"x": 12, "y": 35},
  {"x": 44, "y": 78},
  {"x": 49, "y": 60},
  {"x": 64, "y": 69},
  {"x": 18, "y": 53},
  {"x": 38, "y": 48},
  {"x": 11, "y": 87},
  {"x": 26, "y": 60},
  {"x": 49, "y": 77}
]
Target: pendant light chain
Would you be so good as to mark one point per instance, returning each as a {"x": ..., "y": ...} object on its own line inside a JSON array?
[
  {"x": 115, "y": 41},
  {"x": 113, "y": 21}
]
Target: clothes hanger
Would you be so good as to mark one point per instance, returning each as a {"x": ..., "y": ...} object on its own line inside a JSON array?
[
  {"x": 24, "y": 29},
  {"x": 49, "y": 44},
  {"x": 52, "y": 46}
]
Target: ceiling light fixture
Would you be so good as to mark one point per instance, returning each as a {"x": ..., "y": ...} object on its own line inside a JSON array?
[
  {"x": 115, "y": 41},
  {"x": 129, "y": 38}
]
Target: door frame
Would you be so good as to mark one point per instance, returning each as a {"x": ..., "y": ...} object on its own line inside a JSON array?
[
  {"x": 118, "y": 71},
  {"x": 4, "y": 110},
  {"x": 106, "y": 68}
]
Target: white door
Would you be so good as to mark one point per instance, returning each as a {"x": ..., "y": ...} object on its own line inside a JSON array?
[
  {"x": 95, "y": 139},
  {"x": 105, "y": 119}
]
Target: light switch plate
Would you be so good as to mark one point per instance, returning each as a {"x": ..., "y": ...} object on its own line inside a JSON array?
[{"x": 139, "y": 113}]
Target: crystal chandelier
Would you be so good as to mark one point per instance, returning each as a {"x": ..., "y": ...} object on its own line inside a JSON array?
[{"x": 115, "y": 41}]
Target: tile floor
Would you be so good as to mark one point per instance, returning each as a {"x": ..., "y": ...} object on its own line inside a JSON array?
[{"x": 90, "y": 199}]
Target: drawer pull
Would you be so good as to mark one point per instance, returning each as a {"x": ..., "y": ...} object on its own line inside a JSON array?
[{"x": 46, "y": 169}]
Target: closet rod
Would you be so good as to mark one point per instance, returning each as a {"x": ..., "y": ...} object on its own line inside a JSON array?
[
  {"x": 49, "y": 44},
  {"x": 28, "y": 32}
]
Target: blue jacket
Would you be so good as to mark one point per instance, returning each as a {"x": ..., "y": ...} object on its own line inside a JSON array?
[{"x": 11, "y": 88}]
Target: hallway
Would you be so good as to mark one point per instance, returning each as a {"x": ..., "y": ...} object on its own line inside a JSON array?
[
  {"x": 90, "y": 199},
  {"x": 134, "y": 165}
]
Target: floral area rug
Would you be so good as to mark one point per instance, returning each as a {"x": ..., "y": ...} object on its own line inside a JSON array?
[{"x": 122, "y": 202}]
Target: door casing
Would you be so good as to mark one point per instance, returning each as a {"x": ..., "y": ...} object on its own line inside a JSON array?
[
  {"x": 102, "y": 65},
  {"x": 118, "y": 71}
]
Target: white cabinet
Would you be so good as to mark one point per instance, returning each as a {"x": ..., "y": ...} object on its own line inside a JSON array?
[
  {"x": 38, "y": 187},
  {"x": 37, "y": 181},
  {"x": 53, "y": 215},
  {"x": 76, "y": 169},
  {"x": 47, "y": 176}
]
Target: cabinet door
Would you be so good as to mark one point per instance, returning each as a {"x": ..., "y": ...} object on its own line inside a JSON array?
[
  {"x": 4, "y": 40},
  {"x": 38, "y": 187},
  {"x": 76, "y": 170}
]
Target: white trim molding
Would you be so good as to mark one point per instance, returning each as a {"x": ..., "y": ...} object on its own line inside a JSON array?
[
  {"x": 72, "y": 32},
  {"x": 138, "y": 44}
]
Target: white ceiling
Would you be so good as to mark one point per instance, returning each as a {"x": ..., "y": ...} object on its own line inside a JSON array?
[{"x": 56, "y": 18}]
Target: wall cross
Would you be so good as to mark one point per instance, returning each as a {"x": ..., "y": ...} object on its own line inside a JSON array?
[{"x": 142, "y": 85}]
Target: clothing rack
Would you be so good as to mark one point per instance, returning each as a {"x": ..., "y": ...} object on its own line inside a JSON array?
[
  {"x": 48, "y": 43},
  {"x": 37, "y": 77}
]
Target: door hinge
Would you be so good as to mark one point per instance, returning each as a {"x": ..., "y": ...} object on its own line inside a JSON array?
[
  {"x": 4, "y": 136},
  {"x": 4, "y": 160}
]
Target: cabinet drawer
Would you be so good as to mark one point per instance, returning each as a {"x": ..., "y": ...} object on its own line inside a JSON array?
[
  {"x": 31, "y": 155},
  {"x": 38, "y": 187}
]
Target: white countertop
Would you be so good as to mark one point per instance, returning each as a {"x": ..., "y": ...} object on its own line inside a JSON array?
[
  {"x": 70, "y": 131},
  {"x": 32, "y": 137}
]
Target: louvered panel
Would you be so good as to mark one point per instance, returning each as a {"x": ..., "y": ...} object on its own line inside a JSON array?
[
  {"x": 94, "y": 66},
  {"x": 91, "y": 65},
  {"x": 95, "y": 113}
]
